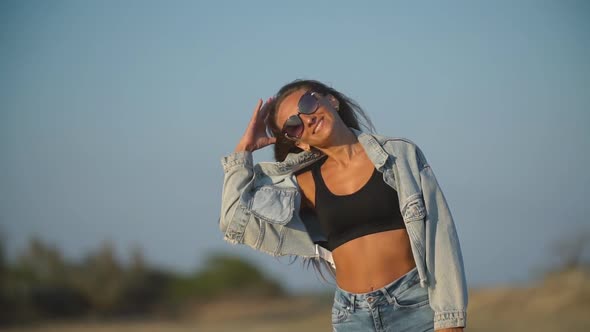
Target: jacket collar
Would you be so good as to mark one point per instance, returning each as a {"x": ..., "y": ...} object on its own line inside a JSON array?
[
  {"x": 372, "y": 147},
  {"x": 297, "y": 161}
]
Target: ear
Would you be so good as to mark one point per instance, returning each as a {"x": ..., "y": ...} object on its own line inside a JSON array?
[
  {"x": 334, "y": 102},
  {"x": 303, "y": 146}
]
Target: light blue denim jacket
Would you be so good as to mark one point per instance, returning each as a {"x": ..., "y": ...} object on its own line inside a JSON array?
[{"x": 260, "y": 208}]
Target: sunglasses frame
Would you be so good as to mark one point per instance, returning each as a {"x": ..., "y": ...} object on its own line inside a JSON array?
[{"x": 316, "y": 106}]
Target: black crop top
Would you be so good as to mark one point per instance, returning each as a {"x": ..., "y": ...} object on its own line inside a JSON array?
[{"x": 372, "y": 209}]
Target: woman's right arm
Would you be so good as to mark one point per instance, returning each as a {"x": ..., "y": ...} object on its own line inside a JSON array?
[{"x": 238, "y": 166}]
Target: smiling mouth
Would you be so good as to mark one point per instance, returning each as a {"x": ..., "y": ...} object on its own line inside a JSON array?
[{"x": 320, "y": 123}]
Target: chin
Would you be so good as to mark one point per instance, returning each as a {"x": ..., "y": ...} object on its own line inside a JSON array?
[{"x": 324, "y": 138}]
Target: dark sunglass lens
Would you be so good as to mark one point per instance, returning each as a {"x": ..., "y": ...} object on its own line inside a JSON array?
[
  {"x": 308, "y": 103},
  {"x": 293, "y": 127}
]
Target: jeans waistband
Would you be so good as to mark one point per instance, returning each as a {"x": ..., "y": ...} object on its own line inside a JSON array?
[{"x": 378, "y": 296}]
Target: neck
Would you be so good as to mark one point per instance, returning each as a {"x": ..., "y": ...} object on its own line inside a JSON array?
[{"x": 343, "y": 148}]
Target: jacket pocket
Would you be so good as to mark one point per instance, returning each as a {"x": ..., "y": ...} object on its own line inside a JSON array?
[
  {"x": 414, "y": 214},
  {"x": 273, "y": 204}
]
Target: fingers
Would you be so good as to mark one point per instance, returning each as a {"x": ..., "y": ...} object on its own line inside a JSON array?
[
  {"x": 261, "y": 109},
  {"x": 264, "y": 110},
  {"x": 255, "y": 137},
  {"x": 256, "y": 111},
  {"x": 258, "y": 106}
]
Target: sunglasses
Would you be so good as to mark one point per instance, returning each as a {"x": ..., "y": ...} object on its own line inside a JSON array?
[{"x": 308, "y": 104}]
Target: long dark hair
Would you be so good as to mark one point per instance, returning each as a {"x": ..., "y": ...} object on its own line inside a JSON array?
[{"x": 350, "y": 112}]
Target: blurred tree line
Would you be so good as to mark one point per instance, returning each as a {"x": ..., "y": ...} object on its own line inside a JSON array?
[{"x": 41, "y": 284}]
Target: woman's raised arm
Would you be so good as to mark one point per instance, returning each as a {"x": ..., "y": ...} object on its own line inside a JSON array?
[{"x": 256, "y": 136}]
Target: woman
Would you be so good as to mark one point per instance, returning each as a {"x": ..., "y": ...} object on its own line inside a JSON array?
[{"x": 368, "y": 205}]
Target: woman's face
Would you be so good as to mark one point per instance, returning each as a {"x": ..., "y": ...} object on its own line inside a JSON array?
[{"x": 318, "y": 126}]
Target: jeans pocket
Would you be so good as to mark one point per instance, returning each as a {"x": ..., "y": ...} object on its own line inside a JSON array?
[
  {"x": 340, "y": 313},
  {"x": 413, "y": 297}
]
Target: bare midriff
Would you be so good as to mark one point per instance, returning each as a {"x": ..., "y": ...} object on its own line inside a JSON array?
[
  {"x": 368, "y": 262},
  {"x": 372, "y": 261}
]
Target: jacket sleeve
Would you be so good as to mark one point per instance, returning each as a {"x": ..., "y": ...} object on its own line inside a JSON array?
[
  {"x": 260, "y": 216},
  {"x": 238, "y": 175},
  {"x": 447, "y": 283}
]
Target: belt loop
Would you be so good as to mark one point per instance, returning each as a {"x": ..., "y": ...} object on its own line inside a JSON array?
[
  {"x": 353, "y": 303},
  {"x": 388, "y": 296}
]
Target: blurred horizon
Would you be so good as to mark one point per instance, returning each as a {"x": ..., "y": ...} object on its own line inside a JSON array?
[{"x": 114, "y": 117}]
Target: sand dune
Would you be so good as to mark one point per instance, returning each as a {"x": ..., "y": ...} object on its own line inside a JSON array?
[{"x": 560, "y": 302}]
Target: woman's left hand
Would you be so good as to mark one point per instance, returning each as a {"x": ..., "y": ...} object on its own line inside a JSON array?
[{"x": 452, "y": 329}]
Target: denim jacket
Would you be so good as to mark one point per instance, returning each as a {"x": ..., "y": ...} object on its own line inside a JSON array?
[{"x": 260, "y": 208}]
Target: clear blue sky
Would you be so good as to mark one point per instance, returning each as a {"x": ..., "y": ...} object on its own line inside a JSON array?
[{"x": 114, "y": 115}]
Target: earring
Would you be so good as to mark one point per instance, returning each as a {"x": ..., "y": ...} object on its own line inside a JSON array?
[{"x": 335, "y": 103}]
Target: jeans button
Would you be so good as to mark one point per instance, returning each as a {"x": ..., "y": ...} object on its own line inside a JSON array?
[{"x": 370, "y": 299}]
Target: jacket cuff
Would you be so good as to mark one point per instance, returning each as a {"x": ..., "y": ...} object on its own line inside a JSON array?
[
  {"x": 236, "y": 159},
  {"x": 448, "y": 319}
]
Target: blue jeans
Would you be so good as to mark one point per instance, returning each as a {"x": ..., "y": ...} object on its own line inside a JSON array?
[{"x": 399, "y": 306}]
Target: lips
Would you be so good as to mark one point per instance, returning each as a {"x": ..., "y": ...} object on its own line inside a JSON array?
[{"x": 318, "y": 126}]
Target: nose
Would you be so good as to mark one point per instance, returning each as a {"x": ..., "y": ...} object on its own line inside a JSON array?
[{"x": 309, "y": 119}]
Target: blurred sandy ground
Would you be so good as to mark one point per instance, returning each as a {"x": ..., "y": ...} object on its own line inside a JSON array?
[{"x": 557, "y": 303}]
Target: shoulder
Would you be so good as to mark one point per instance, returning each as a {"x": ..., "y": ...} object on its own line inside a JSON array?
[
  {"x": 400, "y": 147},
  {"x": 393, "y": 141},
  {"x": 306, "y": 186}
]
